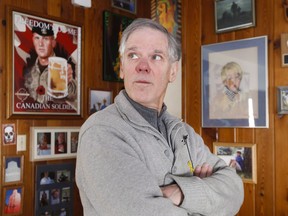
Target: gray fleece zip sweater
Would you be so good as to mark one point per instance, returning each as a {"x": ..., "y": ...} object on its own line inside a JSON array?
[{"x": 122, "y": 161}]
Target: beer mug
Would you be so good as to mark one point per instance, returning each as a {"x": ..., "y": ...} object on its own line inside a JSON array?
[{"x": 57, "y": 77}]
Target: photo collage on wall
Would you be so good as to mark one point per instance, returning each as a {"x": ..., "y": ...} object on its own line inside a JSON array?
[{"x": 54, "y": 189}]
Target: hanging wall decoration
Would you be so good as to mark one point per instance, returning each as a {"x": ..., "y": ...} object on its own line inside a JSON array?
[
  {"x": 114, "y": 25},
  {"x": 44, "y": 77},
  {"x": 232, "y": 15},
  {"x": 235, "y": 84},
  {"x": 168, "y": 13}
]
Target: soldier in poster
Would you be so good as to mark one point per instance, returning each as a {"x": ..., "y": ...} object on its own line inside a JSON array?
[{"x": 45, "y": 66}]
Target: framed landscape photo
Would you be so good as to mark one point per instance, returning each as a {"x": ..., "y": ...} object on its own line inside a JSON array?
[
  {"x": 12, "y": 200},
  {"x": 232, "y": 15},
  {"x": 282, "y": 100},
  {"x": 113, "y": 26},
  {"x": 13, "y": 169},
  {"x": 126, "y": 5},
  {"x": 52, "y": 87},
  {"x": 53, "y": 143},
  {"x": 241, "y": 156},
  {"x": 54, "y": 189},
  {"x": 99, "y": 100},
  {"x": 235, "y": 84}
]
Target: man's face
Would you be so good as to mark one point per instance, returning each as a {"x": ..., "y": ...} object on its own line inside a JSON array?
[
  {"x": 44, "y": 45},
  {"x": 233, "y": 80},
  {"x": 61, "y": 138},
  {"x": 146, "y": 68}
]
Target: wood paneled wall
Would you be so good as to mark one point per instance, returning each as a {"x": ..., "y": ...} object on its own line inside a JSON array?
[
  {"x": 270, "y": 195},
  {"x": 91, "y": 20},
  {"x": 197, "y": 29}
]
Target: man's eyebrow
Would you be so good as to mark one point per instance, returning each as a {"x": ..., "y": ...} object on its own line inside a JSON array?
[
  {"x": 133, "y": 48},
  {"x": 159, "y": 51}
]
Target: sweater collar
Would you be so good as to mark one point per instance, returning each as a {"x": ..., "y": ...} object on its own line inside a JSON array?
[{"x": 149, "y": 114}]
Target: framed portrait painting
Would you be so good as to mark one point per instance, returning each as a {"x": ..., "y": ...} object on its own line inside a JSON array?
[
  {"x": 235, "y": 83},
  {"x": 43, "y": 81},
  {"x": 241, "y": 157},
  {"x": 233, "y": 15}
]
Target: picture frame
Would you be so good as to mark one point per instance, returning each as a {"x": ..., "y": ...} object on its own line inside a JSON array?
[
  {"x": 231, "y": 15},
  {"x": 241, "y": 156},
  {"x": 168, "y": 13},
  {"x": 54, "y": 93},
  {"x": 282, "y": 100},
  {"x": 13, "y": 169},
  {"x": 54, "y": 189},
  {"x": 235, "y": 84},
  {"x": 53, "y": 143},
  {"x": 113, "y": 26},
  {"x": 125, "y": 5},
  {"x": 13, "y": 197},
  {"x": 9, "y": 134},
  {"x": 99, "y": 99}
]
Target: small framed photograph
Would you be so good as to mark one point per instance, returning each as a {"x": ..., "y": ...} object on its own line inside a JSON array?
[
  {"x": 282, "y": 100},
  {"x": 126, "y": 5},
  {"x": 13, "y": 169},
  {"x": 54, "y": 189},
  {"x": 241, "y": 156},
  {"x": 9, "y": 134},
  {"x": 13, "y": 200},
  {"x": 53, "y": 143},
  {"x": 99, "y": 100},
  {"x": 235, "y": 84},
  {"x": 231, "y": 15}
]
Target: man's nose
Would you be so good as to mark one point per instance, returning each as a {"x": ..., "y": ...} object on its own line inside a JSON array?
[
  {"x": 41, "y": 42},
  {"x": 143, "y": 66}
]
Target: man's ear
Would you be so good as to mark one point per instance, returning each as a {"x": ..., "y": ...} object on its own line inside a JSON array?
[
  {"x": 174, "y": 71},
  {"x": 121, "y": 71}
]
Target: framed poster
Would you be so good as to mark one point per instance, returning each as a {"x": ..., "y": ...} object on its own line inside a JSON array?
[
  {"x": 235, "y": 84},
  {"x": 114, "y": 25},
  {"x": 13, "y": 169},
  {"x": 13, "y": 200},
  {"x": 54, "y": 189},
  {"x": 53, "y": 143},
  {"x": 45, "y": 68},
  {"x": 99, "y": 100},
  {"x": 126, "y": 5},
  {"x": 241, "y": 156},
  {"x": 231, "y": 15},
  {"x": 168, "y": 13}
]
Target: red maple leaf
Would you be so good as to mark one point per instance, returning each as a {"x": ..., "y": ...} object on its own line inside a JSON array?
[{"x": 25, "y": 39}]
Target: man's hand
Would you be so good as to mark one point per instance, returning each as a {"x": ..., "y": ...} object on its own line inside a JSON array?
[
  {"x": 203, "y": 171},
  {"x": 174, "y": 193}
]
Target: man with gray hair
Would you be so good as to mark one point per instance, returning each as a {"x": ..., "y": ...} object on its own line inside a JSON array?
[{"x": 134, "y": 158}]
